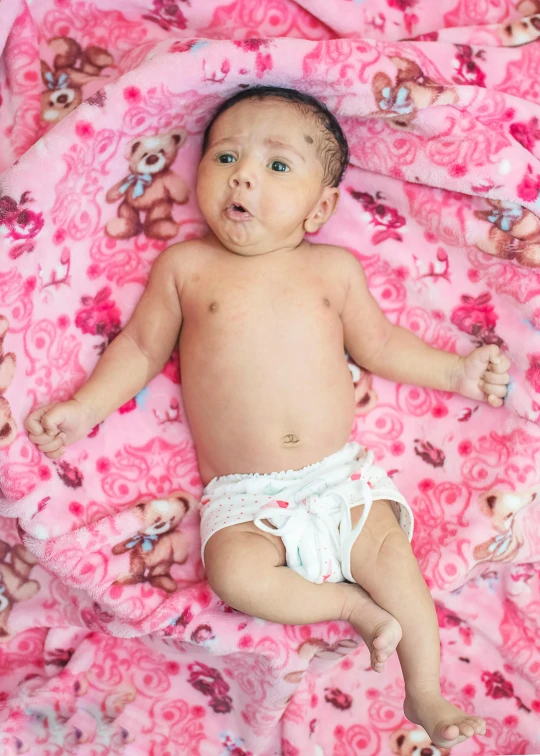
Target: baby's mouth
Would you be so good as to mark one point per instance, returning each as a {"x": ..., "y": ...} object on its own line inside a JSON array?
[{"x": 237, "y": 212}]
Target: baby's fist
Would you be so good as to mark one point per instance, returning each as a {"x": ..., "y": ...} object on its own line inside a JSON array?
[
  {"x": 55, "y": 426},
  {"x": 484, "y": 375}
]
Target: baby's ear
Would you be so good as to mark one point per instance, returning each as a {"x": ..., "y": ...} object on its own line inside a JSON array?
[{"x": 323, "y": 210}]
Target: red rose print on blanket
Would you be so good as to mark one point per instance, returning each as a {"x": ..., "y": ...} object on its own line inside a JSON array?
[
  {"x": 19, "y": 223},
  {"x": 338, "y": 699},
  {"x": 533, "y": 372},
  {"x": 167, "y": 14},
  {"x": 477, "y": 316},
  {"x": 467, "y": 69},
  {"x": 99, "y": 315},
  {"x": 383, "y": 216},
  {"x": 429, "y": 453},
  {"x": 69, "y": 474},
  {"x": 529, "y": 186},
  {"x": 498, "y": 687},
  {"x": 526, "y": 134},
  {"x": 210, "y": 683},
  {"x": 401, "y": 5}
]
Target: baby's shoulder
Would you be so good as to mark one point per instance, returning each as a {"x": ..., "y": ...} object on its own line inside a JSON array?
[{"x": 340, "y": 261}]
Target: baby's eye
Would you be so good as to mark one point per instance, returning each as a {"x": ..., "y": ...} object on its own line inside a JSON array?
[
  {"x": 278, "y": 166},
  {"x": 226, "y": 158}
]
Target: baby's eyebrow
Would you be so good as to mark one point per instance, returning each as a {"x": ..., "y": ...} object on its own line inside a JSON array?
[{"x": 284, "y": 145}]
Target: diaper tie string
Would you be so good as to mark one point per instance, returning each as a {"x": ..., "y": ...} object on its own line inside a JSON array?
[{"x": 311, "y": 510}]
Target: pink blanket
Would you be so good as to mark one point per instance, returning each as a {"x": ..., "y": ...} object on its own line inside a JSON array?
[{"x": 110, "y": 638}]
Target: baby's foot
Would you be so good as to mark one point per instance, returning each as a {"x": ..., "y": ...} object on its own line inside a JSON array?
[
  {"x": 445, "y": 724},
  {"x": 379, "y": 630}
]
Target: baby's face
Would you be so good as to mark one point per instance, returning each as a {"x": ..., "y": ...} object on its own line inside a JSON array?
[{"x": 262, "y": 157}]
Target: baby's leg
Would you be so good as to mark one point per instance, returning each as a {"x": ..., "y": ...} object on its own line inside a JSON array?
[
  {"x": 245, "y": 567},
  {"x": 382, "y": 562}
]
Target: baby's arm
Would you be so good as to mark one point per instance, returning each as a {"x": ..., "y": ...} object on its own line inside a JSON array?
[
  {"x": 128, "y": 364},
  {"x": 397, "y": 354}
]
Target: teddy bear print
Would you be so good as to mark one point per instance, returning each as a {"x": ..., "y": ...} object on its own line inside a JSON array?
[
  {"x": 150, "y": 187},
  {"x": 14, "y": 583},
  {"x": 157, "y": 545},
  {"x": 514, "y": 233},
  {"x": 521, "y": 31},
  {"x": 364, "y": 394},
  {"x": 411, "y": 91},
  {"x": 8, "y": 429},
  {"x": 72, "y": 68},
  {"x": 320, "y": 649},
  {"x": 415, "y": 743},
  {"x": 501, "y": 507}
]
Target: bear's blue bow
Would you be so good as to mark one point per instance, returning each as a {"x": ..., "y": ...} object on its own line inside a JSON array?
[
  {"x": 61, "y": 83},
  {"x": 141, "y": 181},
  {"x": 147, "y": 541}
]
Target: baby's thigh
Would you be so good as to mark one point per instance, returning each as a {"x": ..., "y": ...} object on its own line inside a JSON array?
[
  {"x": 241, "y": 549},
  {"x": 381, "y": 531}
]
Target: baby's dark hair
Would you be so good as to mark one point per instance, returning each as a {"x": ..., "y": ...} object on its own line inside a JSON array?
[{"x": 333, "y": 147}]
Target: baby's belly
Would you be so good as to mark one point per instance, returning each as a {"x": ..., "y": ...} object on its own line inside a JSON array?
[{"x": 265, "y": 410}]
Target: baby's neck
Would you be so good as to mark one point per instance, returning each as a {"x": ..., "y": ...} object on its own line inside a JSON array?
[{"x": 268, "y": 252}]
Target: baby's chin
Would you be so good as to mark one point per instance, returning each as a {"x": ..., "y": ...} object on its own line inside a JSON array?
[{"x": 246, "y": 239}]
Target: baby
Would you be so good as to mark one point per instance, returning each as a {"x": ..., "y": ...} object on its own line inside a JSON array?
[{"x": 264, "y": 317}]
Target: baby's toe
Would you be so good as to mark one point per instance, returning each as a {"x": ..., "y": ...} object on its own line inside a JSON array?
[
  {"x": 449, "y": 731},
  {"x": 466, "y": 728}
]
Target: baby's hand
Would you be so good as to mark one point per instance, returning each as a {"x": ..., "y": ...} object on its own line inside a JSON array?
[
  {"x": 484, "y": 375},
  {"x": 55, "y": 426}
]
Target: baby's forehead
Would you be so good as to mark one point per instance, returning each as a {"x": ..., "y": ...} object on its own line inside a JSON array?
[{"x": 300, "y": 122}]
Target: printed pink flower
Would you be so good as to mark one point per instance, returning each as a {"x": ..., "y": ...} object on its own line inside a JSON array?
[
  {"x": 467, "y": 69},
  {"x": 182, "y": 45},
  {"x": 84, "y": 129},
  {"x": 469, "y": 690},
  {"x": 529, "y": 187},
  {"x": 429, "y": 453},
  {"x": 100, "y": 316},
  {"x": 69, "y": 474},
  {"x": 526, "y": 133},
  {"x": 221, "y": 704},
  {"x": 475, "y": 314},
  {"x": 338, "y": 699},
  {"x": 167, "y": 14},
  {"x": 263, "y": 63},
  {"x": 98, "y": 99},
  {"x": 533, "y": 373},
  {"x": 25, "y": 225},
  {"x": 383, "y": 216},
  {"x": 401, "y": 5},
  {"x": 497, "y": 686},
  {"x": 465, "y": 448},
  {"x": 287, "y": 748},
  {"x": 251, "y": 45},
  {"x": 132, "y": 95},
  {"x": 128, "y": 406}
]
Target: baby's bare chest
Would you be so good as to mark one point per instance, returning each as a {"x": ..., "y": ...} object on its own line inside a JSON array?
[{"x": 271, "y": 304}]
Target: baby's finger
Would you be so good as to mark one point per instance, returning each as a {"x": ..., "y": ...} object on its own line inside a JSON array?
[
  {"x": 33, "y": 421},
  {"x": 499, "y": 379},
  {"x": 494, "y": 401},
  {"x": 57, "y": 453},
  {"x": 499, "y": 365},
  {"x": 52, "y": 445},
  {"x": 491, "y": 388}
]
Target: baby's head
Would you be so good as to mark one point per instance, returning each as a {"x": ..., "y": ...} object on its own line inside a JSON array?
[{"x": 272, "y": 162}]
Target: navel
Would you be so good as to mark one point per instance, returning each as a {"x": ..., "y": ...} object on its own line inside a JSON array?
[
  {"x": 290, "y": 438},
  {"x": 326, "y": 301},
  {"x": 214, "y": 307}
]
